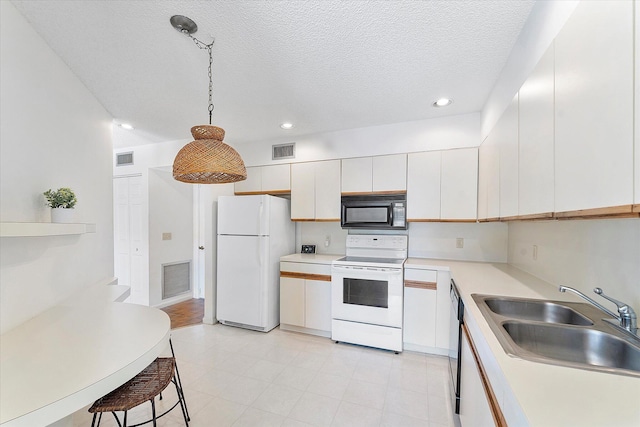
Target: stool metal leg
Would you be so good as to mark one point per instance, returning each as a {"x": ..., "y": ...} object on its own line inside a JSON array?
[
  {"x": 93, "y": 421},
  {"x": 153, "y": 411},
  {"x": 181, "y": 390},
  {"x": 183, "y": 404}
]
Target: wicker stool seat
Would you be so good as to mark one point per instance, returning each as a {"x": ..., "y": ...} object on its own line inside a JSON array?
[{"x": 144, "y": 387}]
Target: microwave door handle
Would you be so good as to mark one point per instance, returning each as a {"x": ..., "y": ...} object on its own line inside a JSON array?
[{"x": 391, "y": 214}]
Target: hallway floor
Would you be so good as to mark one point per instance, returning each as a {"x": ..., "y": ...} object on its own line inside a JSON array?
[
  {"x": 237, "y": 377},
  {"x": 186, "y": 313}
]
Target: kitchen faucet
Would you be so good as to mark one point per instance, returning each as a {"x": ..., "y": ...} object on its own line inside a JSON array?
[{"x": 626, "y": 316}]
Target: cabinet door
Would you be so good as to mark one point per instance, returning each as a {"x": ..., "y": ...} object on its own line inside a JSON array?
[
  {"x": 419, "y": 317},
  {"x": 423, "y": 185},
  {"x": 276, "y": 178},
  {"x": 507, "y": 128},
  {"x": 637, "y": 111},
  {"x": 327, "y": 190},
  {"x": 253, "y": 183},
  {"x": 474, "y": 406},
  {"x": 303, "y": 191},
  {"x": 535, "y": 139},
  {"x": 389, "y": 173},
  {"x": 459, "y": 185},
  {"x": 594, "y": 107},
  {"x": 318, "y": 305},
  {"x": 483, "y": 179},
  {"x": 357, "y": 175},
  {"x": 292, "y": 301},
  {"x": 443, "y": 320}
]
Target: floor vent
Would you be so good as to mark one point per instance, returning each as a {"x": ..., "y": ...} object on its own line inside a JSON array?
[
  {"x": 283, "y": 151},
  {"x": 124, "y": 159},
  {"x": 176, "y": 279}
]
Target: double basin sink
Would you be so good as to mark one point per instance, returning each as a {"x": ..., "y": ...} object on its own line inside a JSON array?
[{"x": 561, "y": 333}]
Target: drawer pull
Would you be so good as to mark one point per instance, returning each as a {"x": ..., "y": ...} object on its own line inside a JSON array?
[{"x": 420, "y": 285}]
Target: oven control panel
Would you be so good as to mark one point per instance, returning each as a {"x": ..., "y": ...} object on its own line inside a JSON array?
[{"x": 377, "y": 241}]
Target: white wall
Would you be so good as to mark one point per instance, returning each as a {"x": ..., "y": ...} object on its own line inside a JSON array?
[
  {"x": 53, "y": 134},
  {"x": 582, "y": 254},
  {"x": 407, "y": 137},
  {"x": 170, "y": 211}
]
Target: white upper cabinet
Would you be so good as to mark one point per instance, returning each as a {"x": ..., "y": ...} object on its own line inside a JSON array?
[
  {"x": 315, "y": 191},
  {"x": 507, "y": 140},
  {"x": 327, "y": 198},
  {"x": 459, "y": 185},
  {"x": 423, "y": 185},
  {"x": 594, "y": 107},
  {"x": 272, "y": 179},
  {"x": 536, "y": 186},
  {"x": 489, "y": 179},
  {"x": 389, "y": 173},
  {"x": 276, "y": 178},
  {"x": 303, "y": 191},
  {"x": 357, "y": 175},
  {"x": 382, "y": 174},
  {"x": 637, "y": 112},
  {"x": 253, "y": 183}
]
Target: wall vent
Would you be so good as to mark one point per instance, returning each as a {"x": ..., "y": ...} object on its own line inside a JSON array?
[
  {"x": 283, "y": 151},
  {"x": 176, "y": 279},
  {"x": 124, "y": 159}
]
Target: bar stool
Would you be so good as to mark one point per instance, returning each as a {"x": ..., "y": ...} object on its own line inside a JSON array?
[{"x": 143, "y": 387}]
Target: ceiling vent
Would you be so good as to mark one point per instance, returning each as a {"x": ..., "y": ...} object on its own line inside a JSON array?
[
  {"x": 283, "y": 151},
  {"x": 124, "y": 159}
]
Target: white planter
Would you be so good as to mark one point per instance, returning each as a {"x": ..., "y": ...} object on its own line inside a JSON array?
[{"x": 62, "y": 215}]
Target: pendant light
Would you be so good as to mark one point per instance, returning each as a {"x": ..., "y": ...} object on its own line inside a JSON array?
[{"x": 207, "y": 160}]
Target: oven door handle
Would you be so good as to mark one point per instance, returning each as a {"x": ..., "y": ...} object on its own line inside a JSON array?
[{"x": 366, "y": 269}]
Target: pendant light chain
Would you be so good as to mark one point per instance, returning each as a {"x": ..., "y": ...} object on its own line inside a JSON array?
[{"x": 209, "y": 48}]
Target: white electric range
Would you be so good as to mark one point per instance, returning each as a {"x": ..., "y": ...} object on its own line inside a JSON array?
[{"x": 367, "y": 291}]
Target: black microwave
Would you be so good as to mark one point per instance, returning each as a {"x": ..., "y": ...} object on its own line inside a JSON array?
[{"x": 374, "y": 212}]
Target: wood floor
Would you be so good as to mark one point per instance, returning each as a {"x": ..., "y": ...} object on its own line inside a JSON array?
[{"x": 186, "y": 313}]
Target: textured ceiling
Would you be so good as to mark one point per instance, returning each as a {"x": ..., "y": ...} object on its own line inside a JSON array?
[{"x": 323, "y": 65}]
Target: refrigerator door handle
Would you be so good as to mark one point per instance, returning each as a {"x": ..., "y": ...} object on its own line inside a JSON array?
[{"x": 260, "y": 222}]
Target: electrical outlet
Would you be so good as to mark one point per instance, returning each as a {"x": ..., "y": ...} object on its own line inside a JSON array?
[
  {"x": 535, "y": 252},
  {"x": 166, "y": 236},
  {"x": 459, "y": 243}
]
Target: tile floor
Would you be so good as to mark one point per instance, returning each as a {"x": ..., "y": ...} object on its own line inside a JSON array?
[{"x": 235, "y": 377}]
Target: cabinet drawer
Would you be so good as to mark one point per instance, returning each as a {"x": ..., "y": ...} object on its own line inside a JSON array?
[{"x": 308, "y": 268}]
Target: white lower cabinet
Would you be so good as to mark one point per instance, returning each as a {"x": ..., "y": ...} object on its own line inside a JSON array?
[
  {"x": 426, "y": 310},
  {"x": 474, "y": 405},
  {"x": 305, "y": 297}
]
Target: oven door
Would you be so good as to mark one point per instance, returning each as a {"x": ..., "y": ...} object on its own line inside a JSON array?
[{"x": 372, "y": 295}]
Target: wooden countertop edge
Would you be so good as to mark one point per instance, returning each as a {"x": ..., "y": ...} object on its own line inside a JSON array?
[
  {"x": 420, "y": 284},
  {"x": 494, "y": 406}
]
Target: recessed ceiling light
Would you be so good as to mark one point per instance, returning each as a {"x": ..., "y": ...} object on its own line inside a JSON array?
[
  {"x": 126, "y": 126},
  {"x": 442, "y": 102},
  {"x": 286, "y": 126}
]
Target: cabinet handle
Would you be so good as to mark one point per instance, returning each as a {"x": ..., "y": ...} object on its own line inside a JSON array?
[{"x": 420, "y": 285}]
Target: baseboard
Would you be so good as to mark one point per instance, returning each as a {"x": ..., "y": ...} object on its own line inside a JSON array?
[
  {"x": 174, "y": 300},
  {"x": 423, "y": 349},
  {"x": 209, "y": 320},
  {"x": 316, "y": 332}
]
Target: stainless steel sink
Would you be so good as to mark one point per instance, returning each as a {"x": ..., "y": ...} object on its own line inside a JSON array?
[
  {"x": 537, "y": 310},
  {"x": 560, "y": 333}
]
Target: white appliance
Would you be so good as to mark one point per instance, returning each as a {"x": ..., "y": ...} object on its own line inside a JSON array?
[
  {"x": 253, "y": 233},
  {"x": 367, "y": 291}
]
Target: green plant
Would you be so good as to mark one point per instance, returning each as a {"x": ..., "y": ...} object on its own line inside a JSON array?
[{"x": 61, "y": 198}]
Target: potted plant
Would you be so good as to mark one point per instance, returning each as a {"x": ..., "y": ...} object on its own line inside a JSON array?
[{"x": 61, "y": 201}]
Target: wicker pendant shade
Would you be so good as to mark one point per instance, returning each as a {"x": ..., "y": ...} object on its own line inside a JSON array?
[{"x": 208, "y": 160}]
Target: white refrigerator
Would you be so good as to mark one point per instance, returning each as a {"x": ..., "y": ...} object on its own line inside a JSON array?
[{"x": 253, "y": 233}]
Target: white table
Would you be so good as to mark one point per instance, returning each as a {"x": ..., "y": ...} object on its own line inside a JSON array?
[{"x": 74, "y": 353}]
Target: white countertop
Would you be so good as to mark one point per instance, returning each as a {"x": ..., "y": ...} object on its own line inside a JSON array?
[
  {"x": 548, "y": 395},
  {"x": 311, "y": 258},
  {"x": 74, "y": 353}
]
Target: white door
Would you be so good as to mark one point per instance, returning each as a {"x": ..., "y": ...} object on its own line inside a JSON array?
[
  {"x": 130, "y": 243},
  {"x": 243, "y": 215},
  {"x": 241, "y": 279}
]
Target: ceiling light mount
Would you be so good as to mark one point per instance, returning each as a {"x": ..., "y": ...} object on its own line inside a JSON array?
[
  {"x": 183, "y": 24},
  {"x": 443, "y": 102},
  {"x": 207, "y": 160}
]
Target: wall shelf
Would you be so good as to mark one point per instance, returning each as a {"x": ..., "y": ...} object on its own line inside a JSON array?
[{"x": 36, "y": 229}]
